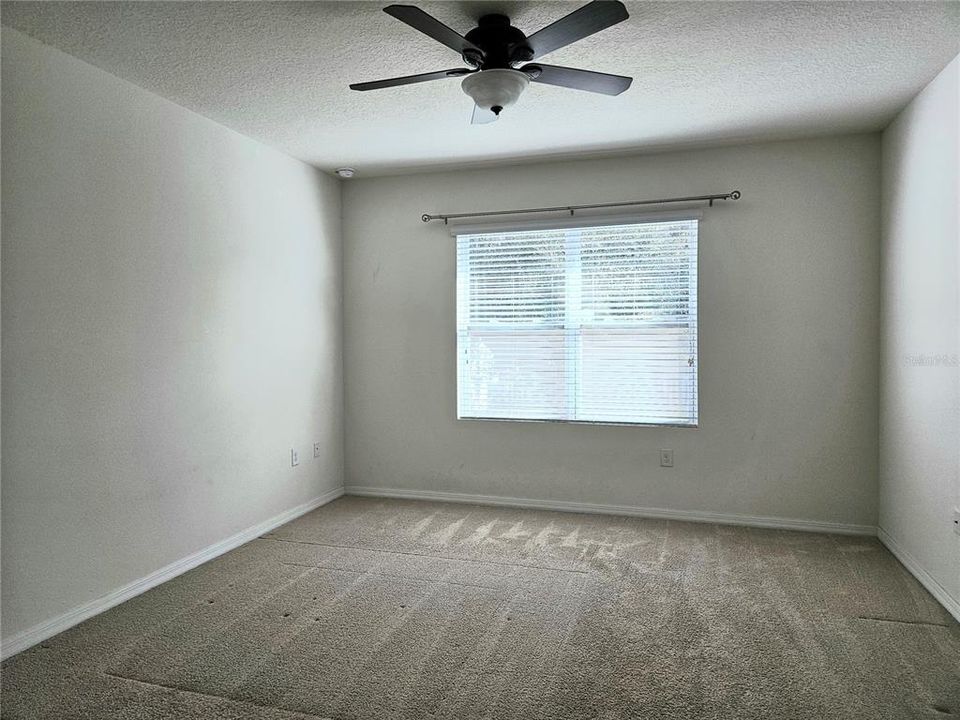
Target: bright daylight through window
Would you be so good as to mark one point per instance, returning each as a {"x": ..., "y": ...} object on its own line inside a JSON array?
[{"x": 579, "y": 324}]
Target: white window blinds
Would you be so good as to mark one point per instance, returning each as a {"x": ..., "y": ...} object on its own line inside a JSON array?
[{"x": 589, "y": 324}]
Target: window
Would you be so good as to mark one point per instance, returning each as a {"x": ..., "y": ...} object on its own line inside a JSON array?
[{"x": 579, "y": 324}]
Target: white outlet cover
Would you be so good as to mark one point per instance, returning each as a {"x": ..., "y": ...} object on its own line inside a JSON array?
[{"x": 666, "y": 458}]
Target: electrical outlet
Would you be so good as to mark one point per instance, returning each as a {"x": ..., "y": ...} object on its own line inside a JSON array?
[
  {"x": 317, "y": 450},
  {"x": 294, "y": 457},
  {"x": 956, "y": 520},
  {"x": 666, "y": 458}
]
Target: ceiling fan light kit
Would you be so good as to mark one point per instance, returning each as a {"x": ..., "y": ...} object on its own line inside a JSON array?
[
  {"x": 495, "y": 48},
  {"x": 495, "y": 89}
]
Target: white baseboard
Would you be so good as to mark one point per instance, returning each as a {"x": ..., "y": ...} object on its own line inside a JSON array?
[
  {"x": 922, "y": 576},
  {"x": 48, "y": 628},
  {"x": 661, "y": 513}
]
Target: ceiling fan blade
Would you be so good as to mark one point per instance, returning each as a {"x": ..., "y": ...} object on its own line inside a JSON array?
[
  {"x": 591, "y": 18},
  {"x": 482, "y": 116},
  {"x": 429, "y": 25},
  {"x": 410, "y": 79},
  {"x": 588, "y": 80}
]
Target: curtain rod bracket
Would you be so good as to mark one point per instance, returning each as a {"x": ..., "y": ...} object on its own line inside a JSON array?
[{"x": 733, "y": 195}]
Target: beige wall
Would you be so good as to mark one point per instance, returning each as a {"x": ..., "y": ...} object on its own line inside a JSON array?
[
  {"x": 920, "y": 377},
  {"x": 171, "y": 328},
  {"x": 788, "y": 344}
]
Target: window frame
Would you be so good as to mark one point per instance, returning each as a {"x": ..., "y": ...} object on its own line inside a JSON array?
[{"x": 581, "y": 220}]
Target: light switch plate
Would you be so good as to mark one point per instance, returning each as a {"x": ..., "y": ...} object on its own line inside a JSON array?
[{"x": 294, "y": 457}]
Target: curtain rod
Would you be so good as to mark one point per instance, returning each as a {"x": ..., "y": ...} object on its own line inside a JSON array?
[{"x": 733, "y": 195}]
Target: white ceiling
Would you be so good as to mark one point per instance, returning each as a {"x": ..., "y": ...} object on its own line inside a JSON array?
[{"x": 704, "y": 73}]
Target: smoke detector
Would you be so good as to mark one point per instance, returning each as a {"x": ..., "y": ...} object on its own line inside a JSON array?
[{"x": 345, "y": 172}]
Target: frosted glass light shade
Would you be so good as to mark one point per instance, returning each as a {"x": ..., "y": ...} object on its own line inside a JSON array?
[{"x": 495, "y": 89}]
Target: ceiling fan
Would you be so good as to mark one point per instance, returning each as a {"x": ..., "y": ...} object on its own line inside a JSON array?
[{"x": 494, "y": 50}]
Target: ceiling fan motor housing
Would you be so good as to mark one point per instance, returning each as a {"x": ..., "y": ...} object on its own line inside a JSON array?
[{"x": 502, "y": 44}]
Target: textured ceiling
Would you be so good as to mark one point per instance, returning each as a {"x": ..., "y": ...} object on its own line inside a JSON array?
[{"x": 705, "y": 72}]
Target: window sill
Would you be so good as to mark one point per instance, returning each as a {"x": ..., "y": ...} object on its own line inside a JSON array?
[{"x": 684, "y": 426}]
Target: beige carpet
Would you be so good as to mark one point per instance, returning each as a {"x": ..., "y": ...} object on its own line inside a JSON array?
[{"x": 372, "y": 608}]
